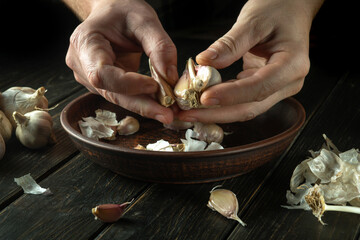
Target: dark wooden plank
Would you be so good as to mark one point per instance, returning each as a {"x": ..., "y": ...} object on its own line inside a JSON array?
[
  {"x": 77, "y": 187},
  {"x": 339, "y": 118},
  {"x": 19, "y": 160}
]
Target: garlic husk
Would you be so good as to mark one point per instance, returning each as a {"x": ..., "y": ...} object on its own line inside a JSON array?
[
  {"x": 22, "y": 100},
  {"x": 2, "y": 147},
  {"x": 34, "y": 129},
  {"x": 5, "y": 127},
  {"x": 225, "y": 202},
  {"x": 209, "y": 132},
  {"x": 195, "y": 80},
  {"x": 165, "y": 93},
  {"x": 127, "y": 126},
  {"x": 109, "y": 212}
]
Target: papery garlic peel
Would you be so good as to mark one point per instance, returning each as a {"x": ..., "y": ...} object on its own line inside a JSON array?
[{"x": 225, "y": 202}]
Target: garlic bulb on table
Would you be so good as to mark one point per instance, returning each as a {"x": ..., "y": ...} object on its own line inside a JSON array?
[
  {"x": 5, "y": 127},
  {"x": 34, "y": 129},
  {"x": 194, "y": 81},
  {"x": 2, "y": 147},
  {"x": 22, "y": 100}
]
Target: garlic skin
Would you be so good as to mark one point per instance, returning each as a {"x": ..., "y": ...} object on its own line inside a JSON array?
[
  {"x": 109, "y": 212},
  {"x": 34, "y": 129},
  {"x": 127, "y": 126},
  {"x": 5, "y": 127},
  {"x": 2, "y": 147},
  {"x": 194, "y": 81},
  {"x": 224, "y": 202},
  {"x": 165, "y": 94},
  {"x": 22, "y": 100},
  {"x": 209, "y": 132}
]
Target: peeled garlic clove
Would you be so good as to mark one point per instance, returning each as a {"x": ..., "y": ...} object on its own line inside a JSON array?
[
  {"x": 195, "y": 80},
  {"x": 127, "y": 126},
  {"x": 2, "y": 147},
  {"x": 22, "y": 100},
  {"x": 225, "y": 202},
  {"x": 34, "y": 129},
  {"x": 5, "y": 127},
  {"x": 209, "y": 132},
  {"x": 109, "y": 212},
  {"x": 165, "y": 94}
]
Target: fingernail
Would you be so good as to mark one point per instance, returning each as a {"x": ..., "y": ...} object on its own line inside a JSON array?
[
  {"x": 211, "y": 101},
  {"x": 160, "y": 118},
  {"x": 210, "y": 53},
  {"x": 172, "y": 74}
]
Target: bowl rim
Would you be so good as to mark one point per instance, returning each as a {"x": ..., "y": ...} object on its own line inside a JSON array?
[{"x": 226, "y": 151}]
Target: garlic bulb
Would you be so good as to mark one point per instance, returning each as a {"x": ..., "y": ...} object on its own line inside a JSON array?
[
  {"x": 2, "y": 147},
  {"x": 128, "y": 126},
  {"x": 165, "y": 94},
  {"x": 22, "y": 100},
  {"x": 5, "y": 127},
  {"x": 194, "y": 81},
  {"x": 209, "y": 132},
  {"x": 34, "y": 129},
  {"x": 225, "y": 202}
]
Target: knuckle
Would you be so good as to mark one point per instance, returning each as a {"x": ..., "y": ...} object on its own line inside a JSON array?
[
  {"x": 228, "y": 42},
  {"x": 94, "y": 78}
]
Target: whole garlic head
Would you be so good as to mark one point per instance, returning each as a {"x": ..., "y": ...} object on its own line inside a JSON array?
[
  {"x": 34, "y": 129},
  {"x": 194, "y": 81},
  {"x": 2, "y": 147},
  {"x": 5, "y": 127},
  {"x": 22, "y": 100}
]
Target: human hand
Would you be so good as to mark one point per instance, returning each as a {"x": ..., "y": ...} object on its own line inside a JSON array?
[
  {"x": 105, "y": 51},
  {"x": 272, "y": 37}
]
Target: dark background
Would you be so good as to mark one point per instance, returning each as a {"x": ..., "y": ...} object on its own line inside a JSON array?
[{"x": 38, "y": 27}]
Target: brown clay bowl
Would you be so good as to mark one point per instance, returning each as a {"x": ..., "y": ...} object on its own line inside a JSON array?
[{"x": 251, "y": 144}]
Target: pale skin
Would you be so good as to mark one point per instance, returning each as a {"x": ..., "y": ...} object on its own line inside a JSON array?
[{"x": 271, "y": 36}]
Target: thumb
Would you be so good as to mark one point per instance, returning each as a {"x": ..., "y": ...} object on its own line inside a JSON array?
[{"x": 229, "y": 48}]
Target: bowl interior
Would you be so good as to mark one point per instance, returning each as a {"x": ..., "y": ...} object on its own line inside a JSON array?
[{"x": 284, "y": 118}]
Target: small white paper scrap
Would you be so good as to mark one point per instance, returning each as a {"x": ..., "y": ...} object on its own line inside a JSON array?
[{"x": 29, "y": 185}]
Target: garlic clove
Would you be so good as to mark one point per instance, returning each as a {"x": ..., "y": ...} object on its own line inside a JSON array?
[
  {"x": 127, "y": 126},
  {"x": 165, "y": 94},
  {"x": 5, "y": 127},
  {"x": 195, "y": 80},
  {"x": 224, "y": 202},
  {"x": 177, "y": 125},
  {"x": 209, "y": 132},
  {"x": 109, "y": 212}
]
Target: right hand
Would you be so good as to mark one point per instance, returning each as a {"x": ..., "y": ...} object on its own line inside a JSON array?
[{"x": 105, "y": 51}]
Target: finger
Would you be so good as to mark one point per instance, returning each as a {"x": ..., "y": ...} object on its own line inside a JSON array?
[
  {"x": 143, "y": 105},
  {"x": 233, "y": 113},
  {"x": 96, "y": 59},
  {"x": 159, "y": 48},
  {"x": 282, "y": 70},
  {"x": 230, "y": 47}
]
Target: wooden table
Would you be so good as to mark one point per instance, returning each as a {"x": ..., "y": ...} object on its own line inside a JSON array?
[{"x": 330, "y": 97}]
